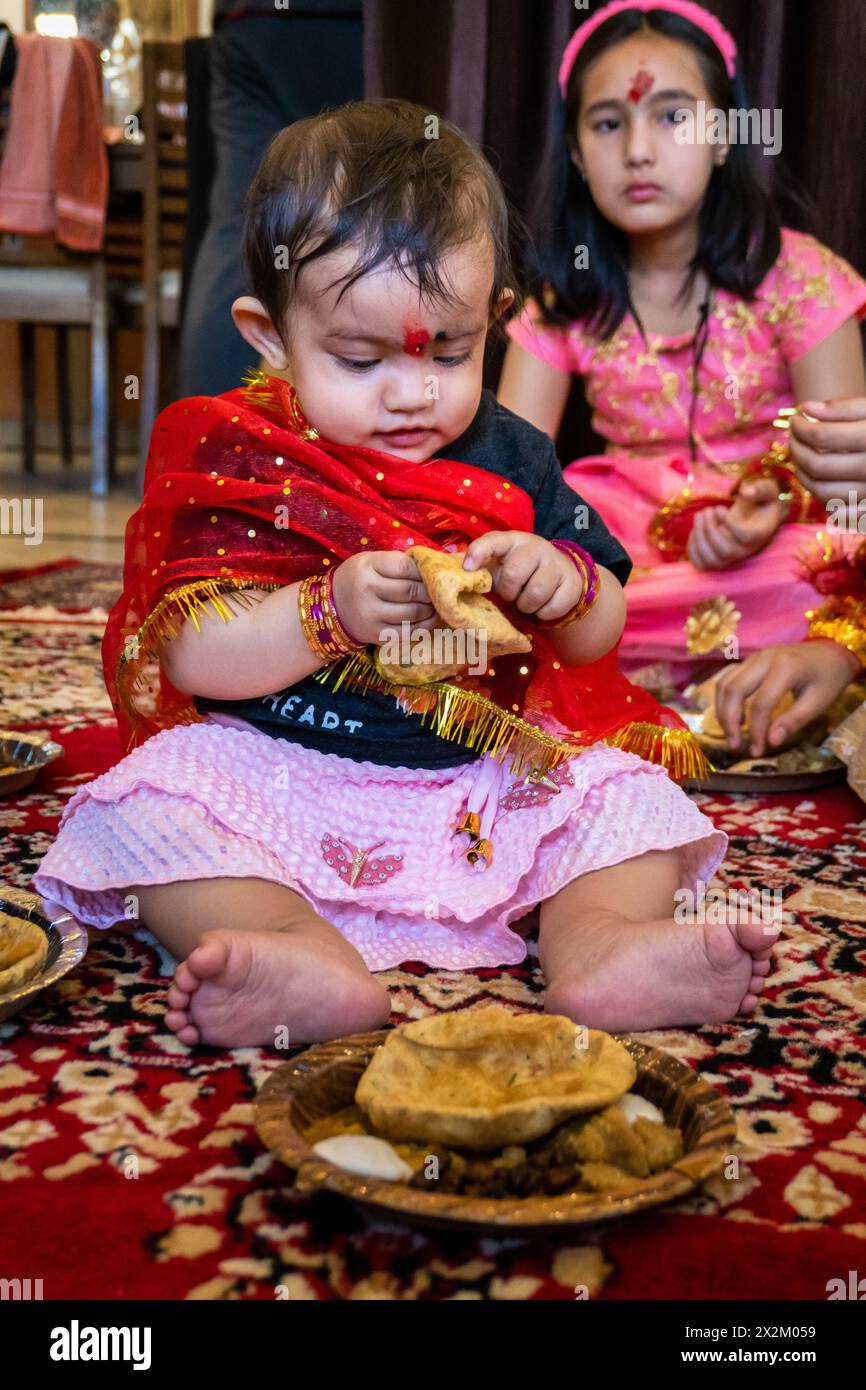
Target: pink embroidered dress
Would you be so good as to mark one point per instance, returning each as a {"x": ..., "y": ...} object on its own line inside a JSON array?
[{"x": 640, "y": 396}]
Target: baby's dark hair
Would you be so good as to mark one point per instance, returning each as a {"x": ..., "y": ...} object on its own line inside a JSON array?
[
  {"x": 402, "y": 185},
  {"x": 739, "y": 234}
]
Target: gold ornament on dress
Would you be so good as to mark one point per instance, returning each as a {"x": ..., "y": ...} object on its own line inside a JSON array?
[
  {"x": 480, "y": 849},
  {"x": 710, "y": 624}
]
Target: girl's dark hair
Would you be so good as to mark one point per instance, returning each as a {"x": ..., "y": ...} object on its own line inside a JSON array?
[
  {"x": 387, "y": 177},
  {"x": 739, "y": 235}
]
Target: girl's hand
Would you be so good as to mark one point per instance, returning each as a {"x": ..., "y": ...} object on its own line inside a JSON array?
[
  {"x": 724, "y": 536},
  {"x": 830, "y": 449},
  {"x": 816, "y": 671},
  {"x": 527, "y": 571},
  {"x": 379, "y": 589}
]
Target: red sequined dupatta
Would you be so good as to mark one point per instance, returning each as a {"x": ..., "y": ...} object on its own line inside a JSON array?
[{"x": 236, "y": 499}]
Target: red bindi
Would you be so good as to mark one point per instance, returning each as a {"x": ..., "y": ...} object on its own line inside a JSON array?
[
  {"x": 415, "y": 339},
  {"x": 640, "y": 85}
]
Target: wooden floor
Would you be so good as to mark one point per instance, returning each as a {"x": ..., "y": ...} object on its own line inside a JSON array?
[{"x": 72, "y": 524}]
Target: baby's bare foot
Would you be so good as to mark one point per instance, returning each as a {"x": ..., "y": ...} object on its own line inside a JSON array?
[
  {"x": 236, "y": 988},
  {"x": 625, "y": 976}
]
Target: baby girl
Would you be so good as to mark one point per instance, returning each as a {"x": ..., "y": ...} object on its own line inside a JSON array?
[{"x": 289, "y": 822}]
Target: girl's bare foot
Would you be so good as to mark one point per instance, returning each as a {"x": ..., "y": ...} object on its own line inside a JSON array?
[
  {"x": 236, "y": 988},
  {"x": 622, "y": 976}
]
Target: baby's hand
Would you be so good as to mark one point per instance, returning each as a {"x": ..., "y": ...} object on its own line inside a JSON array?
[
  {"x": 527, "y": 571},
  {"x": 724, "y": 536},
  {"x": 380, "y": 589}
]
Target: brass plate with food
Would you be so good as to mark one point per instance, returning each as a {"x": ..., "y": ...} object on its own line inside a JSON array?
[
  {"x": 799, "y": 764},
  {"x": 482, "y": 1119},
  {"x": 22, "y": 757},
  {"x": 35, "y": 950}
]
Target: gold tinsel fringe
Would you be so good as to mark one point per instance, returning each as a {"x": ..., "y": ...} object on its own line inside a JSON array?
[
  {"x": 843, "y": 621},
  {"x": 257, "y": 391},
  {"x": 191, "y": 601},
  {"x": 490, "y": 728},
  {"x": 677, "y": 750}
]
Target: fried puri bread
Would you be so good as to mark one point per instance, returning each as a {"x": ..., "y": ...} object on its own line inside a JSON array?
[
  {"x": 413, "y": 672},
  {"x": 712, "y": 735},
  {"x": 23, "y": 948},
  {"x": 483, "y": 1077},
  {"x": 458, "y": 597}
]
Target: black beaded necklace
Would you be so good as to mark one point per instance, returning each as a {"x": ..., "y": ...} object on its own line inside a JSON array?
[{"x": 698, "y": 345}]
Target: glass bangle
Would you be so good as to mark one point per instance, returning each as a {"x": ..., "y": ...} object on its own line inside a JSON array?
[{"x": 591, "y": 579}]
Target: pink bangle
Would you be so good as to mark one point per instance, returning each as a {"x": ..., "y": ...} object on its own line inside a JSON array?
[
  {"x": 338, "y": 621},
  {"x": 588, "y": 571}
]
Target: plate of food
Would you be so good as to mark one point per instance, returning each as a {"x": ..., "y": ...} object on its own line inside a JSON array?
[
  {"x": 801, "y": 763},
  {"x": 22, "y": 757},
  {"x": 482, "y": 1119},
  {"x": 36, "y": 950}
]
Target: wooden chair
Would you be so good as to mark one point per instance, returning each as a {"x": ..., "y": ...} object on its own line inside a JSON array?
[
  {"x": 43, "y": 282},
  {"x": 152, "y": 302}
]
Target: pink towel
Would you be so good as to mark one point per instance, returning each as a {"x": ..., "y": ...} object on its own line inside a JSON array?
[{"x": 54, "y": 175}]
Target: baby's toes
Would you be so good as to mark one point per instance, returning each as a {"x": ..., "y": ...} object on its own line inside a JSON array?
[
  {"x": 207, "y": 960},
  {"x": 179, "y": 1022},
  {"x": 755, "y": 937},
  {"x": 763, "y": 955},
  {"x": 177, "y": 998},
  {"x": 184, "y": 979}
]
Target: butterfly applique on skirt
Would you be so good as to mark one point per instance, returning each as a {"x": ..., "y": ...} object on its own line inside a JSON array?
[{"x": 354, "y": 865}]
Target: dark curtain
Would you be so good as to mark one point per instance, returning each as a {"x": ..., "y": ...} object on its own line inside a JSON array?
[
  {"x": 200, "y": 154},
  {"x": 490, "y": 66}
]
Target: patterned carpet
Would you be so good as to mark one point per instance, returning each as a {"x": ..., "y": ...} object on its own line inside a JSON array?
[{"x": 131, "y": 1165}]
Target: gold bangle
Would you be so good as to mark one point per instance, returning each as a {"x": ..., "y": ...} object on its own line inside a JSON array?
[
  {"x": 324, "y": 631},
  {"x": 308, "y": 626},
  {"x": 776, "y": 464},
  {"x": 327, "y": 644},
  {"x": 333, "y": 622}
]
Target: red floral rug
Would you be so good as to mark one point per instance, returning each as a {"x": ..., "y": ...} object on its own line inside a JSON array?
[{"x": 130, "y": 1164}]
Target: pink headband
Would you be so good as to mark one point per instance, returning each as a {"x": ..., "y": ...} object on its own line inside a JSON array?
[{"x": 685, "y": 8}]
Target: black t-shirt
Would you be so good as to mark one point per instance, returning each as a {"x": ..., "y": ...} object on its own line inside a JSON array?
[{"x": 373, "y": 726}]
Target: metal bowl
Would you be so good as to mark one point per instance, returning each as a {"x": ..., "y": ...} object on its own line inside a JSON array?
[
  {"x": 322, "y": 1080},
  {"x": 67, "y": 945},
  {"x": 22, "y": 757}
]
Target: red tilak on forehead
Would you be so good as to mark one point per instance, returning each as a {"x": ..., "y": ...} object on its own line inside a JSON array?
[
  {"x": 414, "y": 339},
  {"x": 640, "y": 85}
]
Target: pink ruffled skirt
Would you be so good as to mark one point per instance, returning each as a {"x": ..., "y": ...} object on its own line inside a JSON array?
[{"x": 372, "y": 848}]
